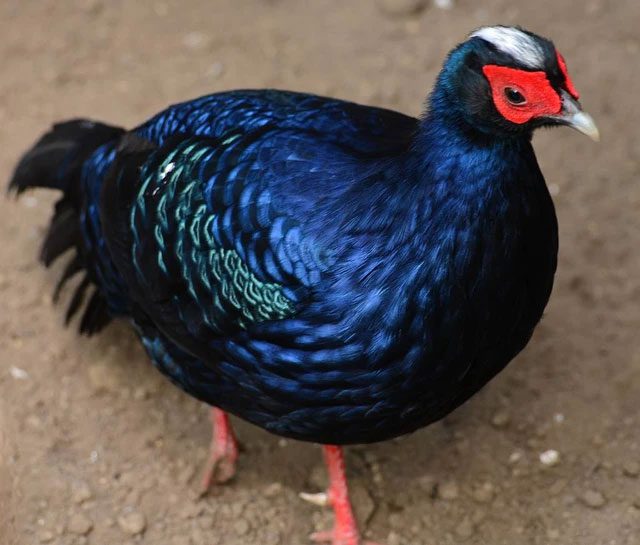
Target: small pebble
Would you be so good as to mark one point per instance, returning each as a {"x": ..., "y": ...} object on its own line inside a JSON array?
[
  {"x": 550, "y": 458},
  {"x": 195, "y": 40},
  {"x": 272, "y": 490},
  {"x": 79, "y": 524},
  {"x": 18, "y": 373},
  {"x": 500, "y": 419},
  {"x": 46, "y": 536},
  {"x": 34, "y": 421},
  {"x": 132, "y": 523},
  {"x": 215, "y": 70},
  {"x": 443, "y": 4},
  {"x": 515, "y": 457},
  {"x": 448, "y": 491},
  {"x": 631, "y": 469},
  {"x": 370, "y": 457},
  {"x": 80, "y": 492},
  {"x": 140, "y": 393},
  {"x": 376, "y": 471},
  {"x": 484, "y": 493},
  {"x": 593, "y": 499}
]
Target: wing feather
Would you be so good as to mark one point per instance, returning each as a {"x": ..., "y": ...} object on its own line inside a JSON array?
[{"x": 208, "y": 253}]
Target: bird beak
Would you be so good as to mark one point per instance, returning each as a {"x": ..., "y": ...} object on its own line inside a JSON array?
[{"x": 572, "y": 115}]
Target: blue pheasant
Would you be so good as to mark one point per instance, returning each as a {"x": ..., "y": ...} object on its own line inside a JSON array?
[{"x": 331, "y": 272}]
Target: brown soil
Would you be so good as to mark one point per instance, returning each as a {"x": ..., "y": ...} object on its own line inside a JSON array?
[{"x": 93, "y": 440}]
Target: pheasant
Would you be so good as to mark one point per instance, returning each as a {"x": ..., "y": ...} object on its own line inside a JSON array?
[{"x": 331, "y": 272}]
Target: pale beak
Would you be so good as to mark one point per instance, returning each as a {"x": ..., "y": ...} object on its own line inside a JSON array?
[{"x": 572, "y": 115}]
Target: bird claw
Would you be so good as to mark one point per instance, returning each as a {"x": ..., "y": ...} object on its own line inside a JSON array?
[
  {"x": 219, "y": 470},
  {"x": 322, "y": 537},
  {"x": 320, "y": 499},
  {"x": 221, "y": 465},
  {"x": 332, "y": 537}
]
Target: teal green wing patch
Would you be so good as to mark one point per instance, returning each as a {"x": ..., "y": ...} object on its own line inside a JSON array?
[{"x": 209, "y": 254}]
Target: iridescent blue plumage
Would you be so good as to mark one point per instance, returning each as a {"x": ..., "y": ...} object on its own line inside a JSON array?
[{"x": 329, "y": 271}]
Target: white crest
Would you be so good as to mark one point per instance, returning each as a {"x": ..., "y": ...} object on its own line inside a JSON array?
[{"x": 520, "y": 45}]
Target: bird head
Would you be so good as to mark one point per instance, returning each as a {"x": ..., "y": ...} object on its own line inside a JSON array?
[{"x": 508, "y": 81}]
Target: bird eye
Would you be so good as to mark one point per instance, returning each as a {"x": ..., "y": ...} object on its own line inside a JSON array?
[{"x": 514, "y": 96}]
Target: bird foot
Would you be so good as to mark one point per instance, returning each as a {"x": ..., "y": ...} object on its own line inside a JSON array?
[
  {"x": 345, "y": 530},
  {"x": 336, "y": 537},
  {"x": 223, "y": 455},
  {"x": 220, "y": 469}
]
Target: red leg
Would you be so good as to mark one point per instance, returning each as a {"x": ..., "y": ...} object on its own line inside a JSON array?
[
  {"x": 223, "y": 453},
  {"x": 345, "y": 529}
]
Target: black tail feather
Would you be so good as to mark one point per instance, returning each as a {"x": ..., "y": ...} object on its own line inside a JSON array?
[
  {"x": 76, "y": 299},
  {"x": 96, "y": 314},
  {"x": 55, "y": 162},
  {"x": 64, "y": 232},
  {"x": 74, "y": 266}
]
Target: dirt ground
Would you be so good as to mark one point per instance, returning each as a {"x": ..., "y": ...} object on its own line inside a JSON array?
[{"x": 97, "y": 448}]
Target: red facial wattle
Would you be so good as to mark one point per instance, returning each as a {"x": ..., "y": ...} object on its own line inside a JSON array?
[
  {"x": 541, "y": 99},
  {"x": 567, "y": 80}
]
